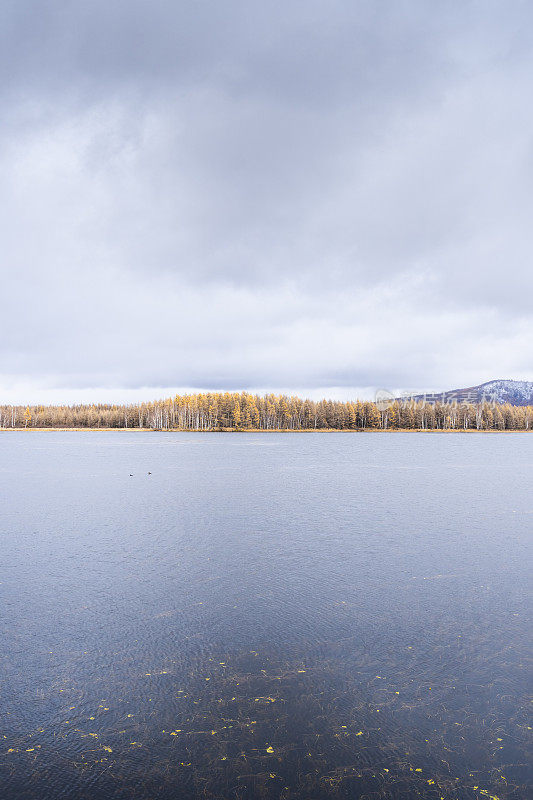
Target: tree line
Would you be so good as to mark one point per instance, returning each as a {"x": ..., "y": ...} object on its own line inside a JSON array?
[{"x": 243, "y": 411}]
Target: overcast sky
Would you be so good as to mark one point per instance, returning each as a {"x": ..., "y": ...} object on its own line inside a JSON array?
[{"x": 316, "y": 197}]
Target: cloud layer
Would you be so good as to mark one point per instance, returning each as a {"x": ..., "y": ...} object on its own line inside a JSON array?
[{"x": 310, "y": 196}]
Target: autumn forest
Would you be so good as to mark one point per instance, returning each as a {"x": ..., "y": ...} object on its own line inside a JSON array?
[{"x": 243, "y": 411}]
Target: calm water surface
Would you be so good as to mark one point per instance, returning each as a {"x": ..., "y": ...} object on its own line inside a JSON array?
[{"x": 264, "y": 615}]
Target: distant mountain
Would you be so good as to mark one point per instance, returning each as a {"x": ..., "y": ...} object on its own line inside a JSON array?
[{"x": 517, "y": 393}]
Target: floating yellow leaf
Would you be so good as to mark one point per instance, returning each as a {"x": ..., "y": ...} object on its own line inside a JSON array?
[
  {"x": 359, "y": 733},
  {"x": 108, "y": 749},
  {"x": 270, "y": 749}
]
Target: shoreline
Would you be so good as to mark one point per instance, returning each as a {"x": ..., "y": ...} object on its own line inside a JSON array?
[{"x": 262, "y": 430}]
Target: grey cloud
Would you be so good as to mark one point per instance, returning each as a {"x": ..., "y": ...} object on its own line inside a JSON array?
[
  {"x": 241, "y": 193},
  {"x": 303, "y": 50}
]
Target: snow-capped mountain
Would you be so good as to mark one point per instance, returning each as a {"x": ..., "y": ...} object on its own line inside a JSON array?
[{"x": 517, "y": 393}]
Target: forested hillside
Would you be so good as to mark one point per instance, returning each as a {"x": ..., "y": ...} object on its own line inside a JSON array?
[
  {"x": 243, "y": 411},
  {"x": 517, "y": 393}
]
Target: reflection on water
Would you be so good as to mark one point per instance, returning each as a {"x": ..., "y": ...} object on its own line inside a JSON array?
[{"x": 264, "y": 616}]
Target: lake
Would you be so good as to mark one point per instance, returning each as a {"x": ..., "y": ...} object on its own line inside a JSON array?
[{"x": 316, "y": 615}]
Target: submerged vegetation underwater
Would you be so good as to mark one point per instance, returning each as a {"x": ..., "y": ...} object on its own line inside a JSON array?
[
  {"x": 253, "y": 726},
  {"x": 287, "y": 618}
]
